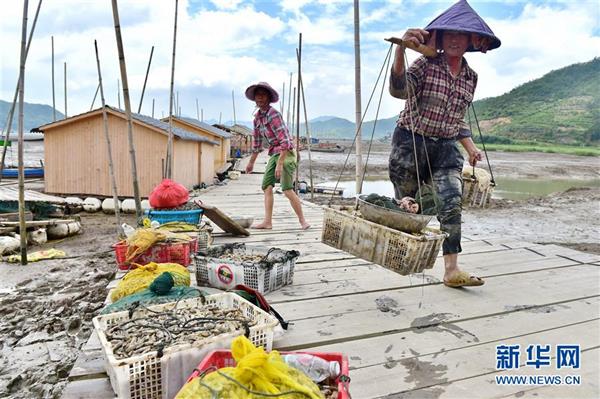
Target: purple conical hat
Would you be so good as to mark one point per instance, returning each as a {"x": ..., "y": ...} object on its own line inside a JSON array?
[{"x": 461, "y": 17}]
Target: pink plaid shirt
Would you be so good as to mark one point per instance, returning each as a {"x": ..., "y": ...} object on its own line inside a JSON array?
[
  {"x": 438, "y": 101},
  {"x": 270, "y": 130}
]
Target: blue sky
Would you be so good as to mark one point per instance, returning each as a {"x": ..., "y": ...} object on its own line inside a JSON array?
[{"x": 225, "y": 45}]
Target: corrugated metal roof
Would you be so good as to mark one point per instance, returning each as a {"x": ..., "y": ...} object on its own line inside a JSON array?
[
  {"x": 205, "y": 126},
  {"x": 242, "y": 130}
]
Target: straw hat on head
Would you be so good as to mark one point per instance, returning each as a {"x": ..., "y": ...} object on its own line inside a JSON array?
[{"x": 251, "y": 90}]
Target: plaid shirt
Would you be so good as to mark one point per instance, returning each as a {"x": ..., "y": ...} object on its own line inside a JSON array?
[
  {"x": 439, "y": 101},
  {"x": 270, "y": 130}
]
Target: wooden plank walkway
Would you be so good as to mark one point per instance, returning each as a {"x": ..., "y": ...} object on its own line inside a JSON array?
[{"x": 409, "y": 336}]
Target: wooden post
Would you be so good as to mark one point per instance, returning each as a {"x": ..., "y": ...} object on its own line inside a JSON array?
[
  {"x": 197, "y": 110},
  {"x": 169, "y": 163},
  {"x": 53, "y": 97},
  {"x": 357, "y": 98},
  {"x": 287, "y": 118},
  {"x": 136, "y": 191},
  {"x": 65, "y": 84},
  {"x": 9, "y": 119},
  {"x": 299, "y": 58},
  {"x": 111, "y": 167},
  {"x": 22, "y": 224},
  {"x": 291, "y": 126},
  {"x": 145, "y": 81},
  {"x": 308, "y": 139},
  {"x": 95, "y": 95}
]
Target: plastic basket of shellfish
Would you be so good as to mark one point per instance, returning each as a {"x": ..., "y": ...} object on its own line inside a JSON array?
[
  {"x": 150, "y": 351},
  {"x": 260, "y": 268}
]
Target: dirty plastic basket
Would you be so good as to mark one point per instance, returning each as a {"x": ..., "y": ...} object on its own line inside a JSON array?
[
  {"x": 223, "y": 358},
  {"x": 474, "y": 195},
  {"x": 140, "y": 376},
  {"x": 226, "y": 274},
  {"x": 396, "y": 250},
  {"x": 160, "y": 253},
  {"x": 192, "y": 216}
]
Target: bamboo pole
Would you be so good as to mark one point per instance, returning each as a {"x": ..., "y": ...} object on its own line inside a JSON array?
[
  {"x": 177, "y": 104},
  {"x": 299, "y": 58},
  {"x": 145, "y": 81},
  {"x": 197, "y": 110},
  {"x": 111, "y": 167},
  {"x": 220, "y": 114},
  {"x": 233, "y": 101},
  {"x": 169, "y": 163},
  {"x": 136, "y": 190},
  {"x": 53, "y": 97},
  {"x": 291, "y": 126},
  {"x": 287, "y": 118},
  {"x": 357, "y": 98},
  {"x": 22, "y": 224},
  {"x": 9, "y": 119},
  {"x": 65, "y": 85},
  {"x": 308, "y": 139},
  {"x": 95, "y": 95},
  {"x": 153, "y": 108},
  {"x": 201, "y": 114},
  {"x": 119, "y": 93}
]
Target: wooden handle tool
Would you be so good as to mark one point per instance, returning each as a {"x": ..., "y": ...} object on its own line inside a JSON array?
[{"x": 420, "y": 48}]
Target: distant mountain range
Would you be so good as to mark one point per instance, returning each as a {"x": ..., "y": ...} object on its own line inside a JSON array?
[
  {"x": 561, "y": 107},
  {"x": 34, "y": 115}
]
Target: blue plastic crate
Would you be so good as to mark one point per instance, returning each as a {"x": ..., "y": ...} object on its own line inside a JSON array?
[{"x": 192, "y": 216}]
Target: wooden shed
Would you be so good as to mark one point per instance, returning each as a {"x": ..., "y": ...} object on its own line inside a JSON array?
[
  {"x": 241, "y": 138},
  {"x": 208, "y": 131},
  {"x": 76, "y": 159}
]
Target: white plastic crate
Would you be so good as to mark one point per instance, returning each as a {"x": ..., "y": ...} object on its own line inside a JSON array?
[
  {"x": 276, "y": 272},
  {"x": 141, "y": 376}
]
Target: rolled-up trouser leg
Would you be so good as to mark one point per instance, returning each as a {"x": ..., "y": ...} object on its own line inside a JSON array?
[{"x": 448, "y": 185}]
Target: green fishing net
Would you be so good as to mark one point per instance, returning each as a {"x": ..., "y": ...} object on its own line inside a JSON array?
[{"x": 147, "y": 297}]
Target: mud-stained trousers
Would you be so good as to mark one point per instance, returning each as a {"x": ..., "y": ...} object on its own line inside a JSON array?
[{"x": 446, "y": 166}]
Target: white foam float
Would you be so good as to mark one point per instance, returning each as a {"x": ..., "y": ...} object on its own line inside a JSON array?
[
  {"x": 128, "y": 205},
  {"x": 146, "y": 205},
  {"x": 37, "y": 236},
  {"x": 63, "y": 230},
  {"x": 108, "y": 205},
  {"x": 91, "y": 204}
]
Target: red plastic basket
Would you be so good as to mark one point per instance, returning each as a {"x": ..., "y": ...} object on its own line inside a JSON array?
[
  {"x": 222, "y": 358},
  {"x": 159, "y": 253}
]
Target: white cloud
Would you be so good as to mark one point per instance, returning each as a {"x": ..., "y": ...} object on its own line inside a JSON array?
[{"x": 240, "y": 42}]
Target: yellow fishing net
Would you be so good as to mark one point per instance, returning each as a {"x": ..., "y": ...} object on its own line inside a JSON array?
[
  {"x": 141, "y": 278},
  {"x": 178, "y": 226},
  {"x": 38, "y": 255},
  {"x": 257, "y": 375}
]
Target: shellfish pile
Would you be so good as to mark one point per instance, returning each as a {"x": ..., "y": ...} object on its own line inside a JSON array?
[{"x": 155, "y": 331}]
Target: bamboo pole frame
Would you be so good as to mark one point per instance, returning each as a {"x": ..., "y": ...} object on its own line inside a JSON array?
[
  {"x": 136, "y": 190},
  {"x": 9, "y": 119},
  {"x": 308, "y": 138},
  {"x": 95, "y": 95},
  {"x": 357, "y": 98},
  {"x": 111, "y": 167},
  {"x": 22, "y": 224},
  {"x": 299, "y": 58},
  {"x": 145, "y": 81},
  {"x": 169, "y": 161},
  {"x": 53, "y": 96}
]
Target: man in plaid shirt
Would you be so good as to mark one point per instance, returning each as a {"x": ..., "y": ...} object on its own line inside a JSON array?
[
  {"x": 438, "y": 92},
  {"x": 271, "y": 132}
]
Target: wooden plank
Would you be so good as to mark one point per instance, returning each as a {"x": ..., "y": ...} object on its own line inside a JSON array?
[
  {"x": 223, "y": 221},
  {"x": 332, "y": 319},
  {"x": 448, "y": 336},
  {"x": 437, "y": 369},
  {"x": 373, "y": 278},
  {"x": 8, "y": 193},
  {"x": 552, "y": 249},
  {"x": 33, "y": 223},
  {"x": 89, "y": 365}
]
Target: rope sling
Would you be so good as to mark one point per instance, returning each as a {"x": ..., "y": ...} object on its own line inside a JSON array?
[{"x": 411, "y": 95}]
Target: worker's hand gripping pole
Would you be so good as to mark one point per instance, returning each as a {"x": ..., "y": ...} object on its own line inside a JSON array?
[{"x": 420, "y": 48}]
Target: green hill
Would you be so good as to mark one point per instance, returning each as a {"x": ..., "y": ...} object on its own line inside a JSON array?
[
  {"x": 562, "y": 107},
  {"x": 34, "y": 115}
]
